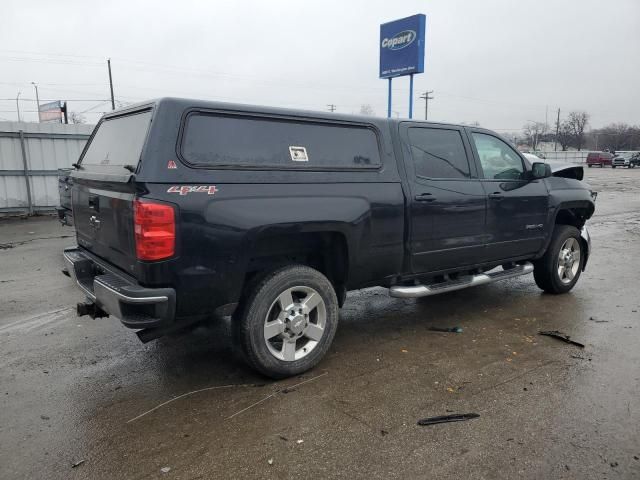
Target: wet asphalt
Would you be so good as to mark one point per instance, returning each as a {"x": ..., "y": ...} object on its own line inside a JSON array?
[{"x": 76, "y": 391}]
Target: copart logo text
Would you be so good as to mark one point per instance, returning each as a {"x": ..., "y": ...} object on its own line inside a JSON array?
[{"x": 399, "y": 40}]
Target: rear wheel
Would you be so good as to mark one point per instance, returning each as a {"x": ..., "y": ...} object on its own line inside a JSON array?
[
  {"x": 560, "y": 267},
  {"x": 589, "y": 165},
  {"x": 288, "y": 321}
]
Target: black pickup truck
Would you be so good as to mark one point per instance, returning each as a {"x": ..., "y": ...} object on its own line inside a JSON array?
[{"x": 186, "y": 210}]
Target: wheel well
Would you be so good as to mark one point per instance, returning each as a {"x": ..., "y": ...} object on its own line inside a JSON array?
[
  {"x": 572, "y": 216},
  {"x": 324, "y": 251}
]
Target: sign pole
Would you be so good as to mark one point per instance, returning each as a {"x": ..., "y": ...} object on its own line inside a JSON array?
[
  {"x": 389, "y": 101},
  {"x": 411, "y": 96}
]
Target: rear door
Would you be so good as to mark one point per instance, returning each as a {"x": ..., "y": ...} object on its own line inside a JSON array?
[
  {"x": 516, "y": 206},
  {"x": 103, "y": 189},
  {"x": 447, "y": 201}
]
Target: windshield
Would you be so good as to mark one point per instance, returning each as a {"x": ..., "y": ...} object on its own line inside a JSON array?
[{"x": 118, "y": 141}]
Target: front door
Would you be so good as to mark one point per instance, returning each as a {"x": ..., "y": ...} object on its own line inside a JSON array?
[
  {"x": 516, "y": 206},
  {"x": 447, "y": 201}
]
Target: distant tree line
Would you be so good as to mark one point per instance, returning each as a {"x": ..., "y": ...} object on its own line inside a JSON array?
[{"x": 571, "y": 133}]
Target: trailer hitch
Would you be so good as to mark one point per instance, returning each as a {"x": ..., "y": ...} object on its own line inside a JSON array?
[{"x": 91, "y": 309}]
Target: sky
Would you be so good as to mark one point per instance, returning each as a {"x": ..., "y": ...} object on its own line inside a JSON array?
[{"x": 500, "y": 63}]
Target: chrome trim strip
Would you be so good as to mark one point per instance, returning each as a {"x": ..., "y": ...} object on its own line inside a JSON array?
[{"x": 128, "y": 299}]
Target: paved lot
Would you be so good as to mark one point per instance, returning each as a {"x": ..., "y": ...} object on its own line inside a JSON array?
[{"x": 69, "y": 386}]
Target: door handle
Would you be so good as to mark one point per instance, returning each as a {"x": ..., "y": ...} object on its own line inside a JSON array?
[
  {"x": 425, "y": 197},
  {"x": 496, "y": 196}
]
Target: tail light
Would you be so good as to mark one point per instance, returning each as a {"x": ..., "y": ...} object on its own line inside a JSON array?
[{"x": 155, "y": 230}]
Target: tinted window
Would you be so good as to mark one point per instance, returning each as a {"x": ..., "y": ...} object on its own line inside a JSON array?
[
  {"x": 226, "y": 140},
  {"x": 438, "y": 153},
  {"x": 498, "y": 160},
  {"x": 118, "y": 141}
]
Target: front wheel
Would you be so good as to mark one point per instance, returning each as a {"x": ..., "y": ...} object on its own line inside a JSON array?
[
  {"x": 288, "y": 321},
  {"x": 559, "y": 268}
]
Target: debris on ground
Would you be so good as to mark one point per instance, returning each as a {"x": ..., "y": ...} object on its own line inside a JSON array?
[
  {"x": 283, "y": 438},
  {"x": 77, "y": 464},
  {"x": 457, "y": 417},
  {"x": 579, "y": 357},
  {"x": 560, "y": 336},
  {"x": 44, "y": 417},
  {"x": 384, "y": 432},
  {"x": 446, "y": 329},
  {"x": 299, "y": 441},
  {"x": 165, "y": 469},
  {"x": 270, "y": 461},
  {"x": 597, "y": 320}
]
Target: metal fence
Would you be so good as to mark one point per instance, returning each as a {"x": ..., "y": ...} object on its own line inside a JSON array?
[
  {"x": 572, "y": 156},
  {"x": 30, "y": 156}
]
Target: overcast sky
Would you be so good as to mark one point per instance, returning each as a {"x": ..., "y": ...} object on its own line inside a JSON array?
[{"x": 500, "y": 63}]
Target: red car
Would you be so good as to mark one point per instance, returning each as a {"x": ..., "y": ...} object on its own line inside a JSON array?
[{"x": 599, "y": 158}]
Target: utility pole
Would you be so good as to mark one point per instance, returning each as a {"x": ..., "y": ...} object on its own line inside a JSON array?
[
  {"x": 37, "y": 99},
  {"x": 332, "y": 107},
  {"x": 113, "y": 102},
  {"x": 555, "y": 144},
  {"x": 18, "y": 106},
  {"x": 425, "y": 96}
]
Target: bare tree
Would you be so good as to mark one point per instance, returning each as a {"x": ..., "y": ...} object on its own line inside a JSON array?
[
  {"x": 564, "y": 136},
  {"x": 616, "y": 136},
  {"x": 577, "y": 122},
  {"x": 78, "y": 118},
  {"x": 367, "y": 109},
  {"x": 533, "y": 131}
]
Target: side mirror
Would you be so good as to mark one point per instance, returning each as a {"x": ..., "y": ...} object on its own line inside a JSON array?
[{"x": 540, "y": 170}]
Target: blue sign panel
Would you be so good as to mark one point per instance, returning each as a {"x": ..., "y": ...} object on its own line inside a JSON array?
[{"x": 402, "y": 46}]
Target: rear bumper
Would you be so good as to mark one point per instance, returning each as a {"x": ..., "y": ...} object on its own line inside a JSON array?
[{"x": 135, "y": 306}]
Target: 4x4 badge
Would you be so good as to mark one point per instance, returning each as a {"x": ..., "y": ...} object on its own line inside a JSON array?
[{"x": 184, "y": 189}]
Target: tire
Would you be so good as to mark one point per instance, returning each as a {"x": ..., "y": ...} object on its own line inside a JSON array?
[
  {"x": 613, "y": 166},
  {"x": 547, "y": 273},
  {"x": 301, "y": 332},
  {"x": 589, "y": 165}
]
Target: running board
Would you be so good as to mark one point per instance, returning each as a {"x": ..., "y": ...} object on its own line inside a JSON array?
[{"x": 412, "y": 291}]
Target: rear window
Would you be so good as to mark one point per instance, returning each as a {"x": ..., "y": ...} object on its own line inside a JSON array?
[
  {"x": 219, "y": 140},
  {"x": 118, "y": 141}
]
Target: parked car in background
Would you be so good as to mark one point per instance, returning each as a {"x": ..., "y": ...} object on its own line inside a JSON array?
[
  {"x": 599, "y": 158},
  {"x": 623, "y": 160}
]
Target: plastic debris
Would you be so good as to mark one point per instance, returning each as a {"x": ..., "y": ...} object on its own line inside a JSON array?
[
  {"x": 446, "y": 329},
  {"x": 456, "y": 417},
  {"x": 299, "y": 441},
  {"x": 165, "y": 469},
  {"x": 560, "y": 336},
  {"x": 270, "y": 461},
  {"x": 77, "y": 464}
]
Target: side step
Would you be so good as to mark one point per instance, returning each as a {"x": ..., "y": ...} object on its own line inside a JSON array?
[{"x": 412, "y": 291}]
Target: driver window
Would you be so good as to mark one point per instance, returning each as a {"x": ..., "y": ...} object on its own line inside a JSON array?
[{"x": 498, "y": 159}]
